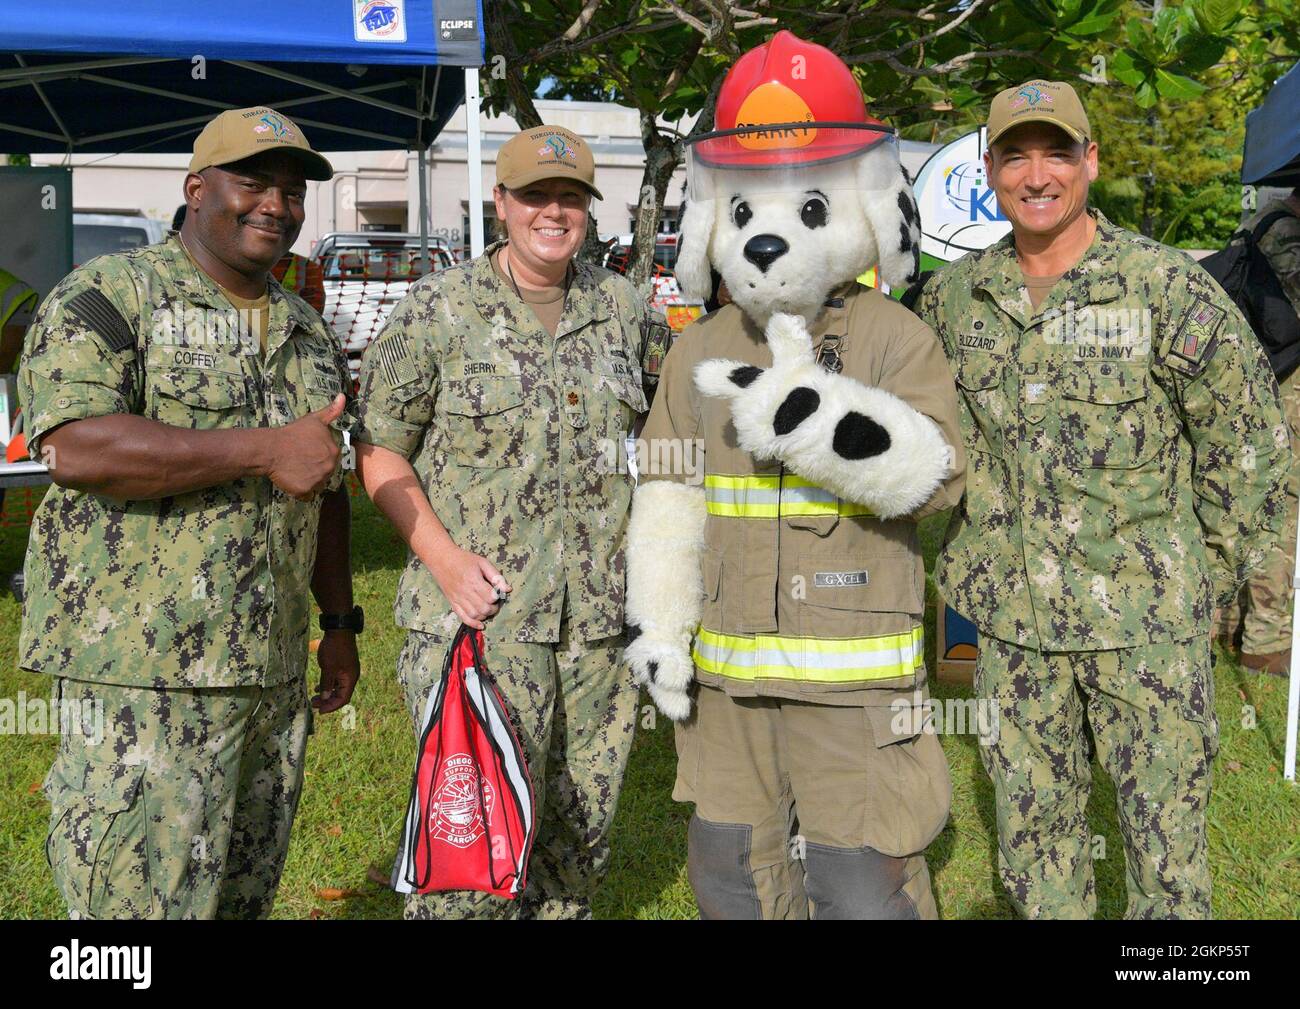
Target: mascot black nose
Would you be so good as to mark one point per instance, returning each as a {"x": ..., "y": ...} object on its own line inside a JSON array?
[{"x": 764, "y": 250}]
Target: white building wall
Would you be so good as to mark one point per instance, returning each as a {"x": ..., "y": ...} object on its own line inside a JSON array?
[
  {"x": 382, "y": 187},
  {"x": 612, "y": 131}
]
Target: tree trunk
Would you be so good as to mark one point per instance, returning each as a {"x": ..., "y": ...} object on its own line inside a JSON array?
[
  {"x": 501, "y": 43},
  {"x": 521, "y": 107},
  {"x": 661, "y": 160},
  {"x": 664, "y": 152},
  {"x": 519, "y": 102}
]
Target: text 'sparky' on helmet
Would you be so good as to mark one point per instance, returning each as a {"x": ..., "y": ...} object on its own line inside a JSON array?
[{"x": 785, "y": 107}]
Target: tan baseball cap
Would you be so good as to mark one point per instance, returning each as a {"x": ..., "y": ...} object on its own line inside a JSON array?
[
  {"x": 241, "y": 133},
  {"x": 548, "y": 152},
  {"x": 1039, "y": 102}
]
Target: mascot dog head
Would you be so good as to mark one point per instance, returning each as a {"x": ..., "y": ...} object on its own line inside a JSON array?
[{"x": 784, "y": 206}]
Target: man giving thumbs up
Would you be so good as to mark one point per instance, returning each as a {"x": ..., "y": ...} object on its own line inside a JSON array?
[{"x": 190, "y": 411}]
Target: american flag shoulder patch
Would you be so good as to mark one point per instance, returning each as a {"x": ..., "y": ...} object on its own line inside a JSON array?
[
  {"x": 1197, "y": 330},
  {"x": 96, "y": 312},
  {"x": 395, "y": 360}
]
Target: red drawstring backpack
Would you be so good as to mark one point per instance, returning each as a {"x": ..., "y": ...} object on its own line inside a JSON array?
[{"x": 471, "y": 820}]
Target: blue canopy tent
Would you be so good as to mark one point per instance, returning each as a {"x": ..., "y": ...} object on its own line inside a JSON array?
[
  {"x": 1272, "y": 153},
  {"x": 84, "y": 76}
]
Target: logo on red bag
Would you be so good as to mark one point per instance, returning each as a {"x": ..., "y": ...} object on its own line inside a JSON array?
[{"x": 457, "y": 816}]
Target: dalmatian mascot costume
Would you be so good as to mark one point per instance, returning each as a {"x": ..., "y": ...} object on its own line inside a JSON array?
[{"x": 775, "y": 586}]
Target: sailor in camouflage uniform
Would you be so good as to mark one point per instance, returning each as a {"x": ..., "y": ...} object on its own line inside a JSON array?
[
  {"x": 1264, "y": 614},
  {"x": 1128, "y": 457},
  {"x": 169, "y": 566},
  {"x": 492, "y": 415}
]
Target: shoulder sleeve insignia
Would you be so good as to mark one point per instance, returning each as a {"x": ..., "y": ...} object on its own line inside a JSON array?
[
  {"x": 1193, "y": 343},
  {"x": 96, "y": 312},
  {"x": 656, "y": 339},
  {"x": 395, "y": 360}
]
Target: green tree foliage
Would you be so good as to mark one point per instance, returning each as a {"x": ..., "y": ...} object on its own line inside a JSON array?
[
  {"x": 1170, "y": 164},
  {"x": 1176, "y": 163},
  {"x": 928, "y": 67}
]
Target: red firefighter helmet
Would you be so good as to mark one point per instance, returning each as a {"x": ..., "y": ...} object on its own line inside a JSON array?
[{"x": 788, "y": 102}]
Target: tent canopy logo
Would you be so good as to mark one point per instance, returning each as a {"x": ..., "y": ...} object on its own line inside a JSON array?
[
  {"x": 379, "y": 20},
  {"x": 461, "y": 30}
]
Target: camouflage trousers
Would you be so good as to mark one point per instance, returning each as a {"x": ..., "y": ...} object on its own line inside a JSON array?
[
  {"x": 1262, "y": 609},
  {"x": 1151, "y": 710},
  {"x": 573, "y": 706},
  {"x": 175, "y": 803}
]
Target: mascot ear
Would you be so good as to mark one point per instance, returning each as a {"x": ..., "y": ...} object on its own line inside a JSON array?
[
  {"x": 692, "y": 267},
  {"x": 886, "y": 194}
]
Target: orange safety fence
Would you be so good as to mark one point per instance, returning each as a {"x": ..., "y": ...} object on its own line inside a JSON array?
[{"x": 363, "y": 286}]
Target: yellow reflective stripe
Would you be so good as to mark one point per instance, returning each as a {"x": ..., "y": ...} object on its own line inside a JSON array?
[
  {"x": 789, "y": 508},
  {"x": 769, "y": 495},
  {"x": 771, "y": 481},
  {"x": 813, "y": 660},
  {"x": 742, "y": 496}
]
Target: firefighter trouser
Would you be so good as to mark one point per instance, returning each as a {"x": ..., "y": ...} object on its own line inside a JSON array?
[
  {"x": 573, "y": 707},
  {"x": 809, "y": 810}
]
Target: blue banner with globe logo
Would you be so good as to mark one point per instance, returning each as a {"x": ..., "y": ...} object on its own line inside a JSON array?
[{"x": 959, "y": 212}]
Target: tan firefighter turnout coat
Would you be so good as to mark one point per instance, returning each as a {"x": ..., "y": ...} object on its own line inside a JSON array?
[{"x": 807, "y": 596}]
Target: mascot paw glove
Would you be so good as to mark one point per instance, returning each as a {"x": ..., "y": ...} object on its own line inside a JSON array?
[
  {"x": 664, "y": 668},
  {"x": 864, "y": 444},
  {"x": 665, "y": 590}
]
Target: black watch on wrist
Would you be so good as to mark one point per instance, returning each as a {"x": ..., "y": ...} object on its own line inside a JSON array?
[{"x": 354, "y": 620}]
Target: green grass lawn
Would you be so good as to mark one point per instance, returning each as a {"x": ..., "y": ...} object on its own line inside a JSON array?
[{"x": 358, "y": 773}]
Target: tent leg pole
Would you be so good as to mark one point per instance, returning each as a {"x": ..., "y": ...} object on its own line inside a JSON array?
[
  {"x": 474, "y": 161},
  {"x": 422, "y": 167}
]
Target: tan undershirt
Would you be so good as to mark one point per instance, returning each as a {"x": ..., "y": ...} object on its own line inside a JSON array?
[
  {"x": 547, "y": 303},
  {"x": 1039, "y": 287},
  {"x": 255, "y": 311}
]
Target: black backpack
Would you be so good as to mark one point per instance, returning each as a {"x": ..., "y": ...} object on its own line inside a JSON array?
[{"x": 1245, "y": 274}]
